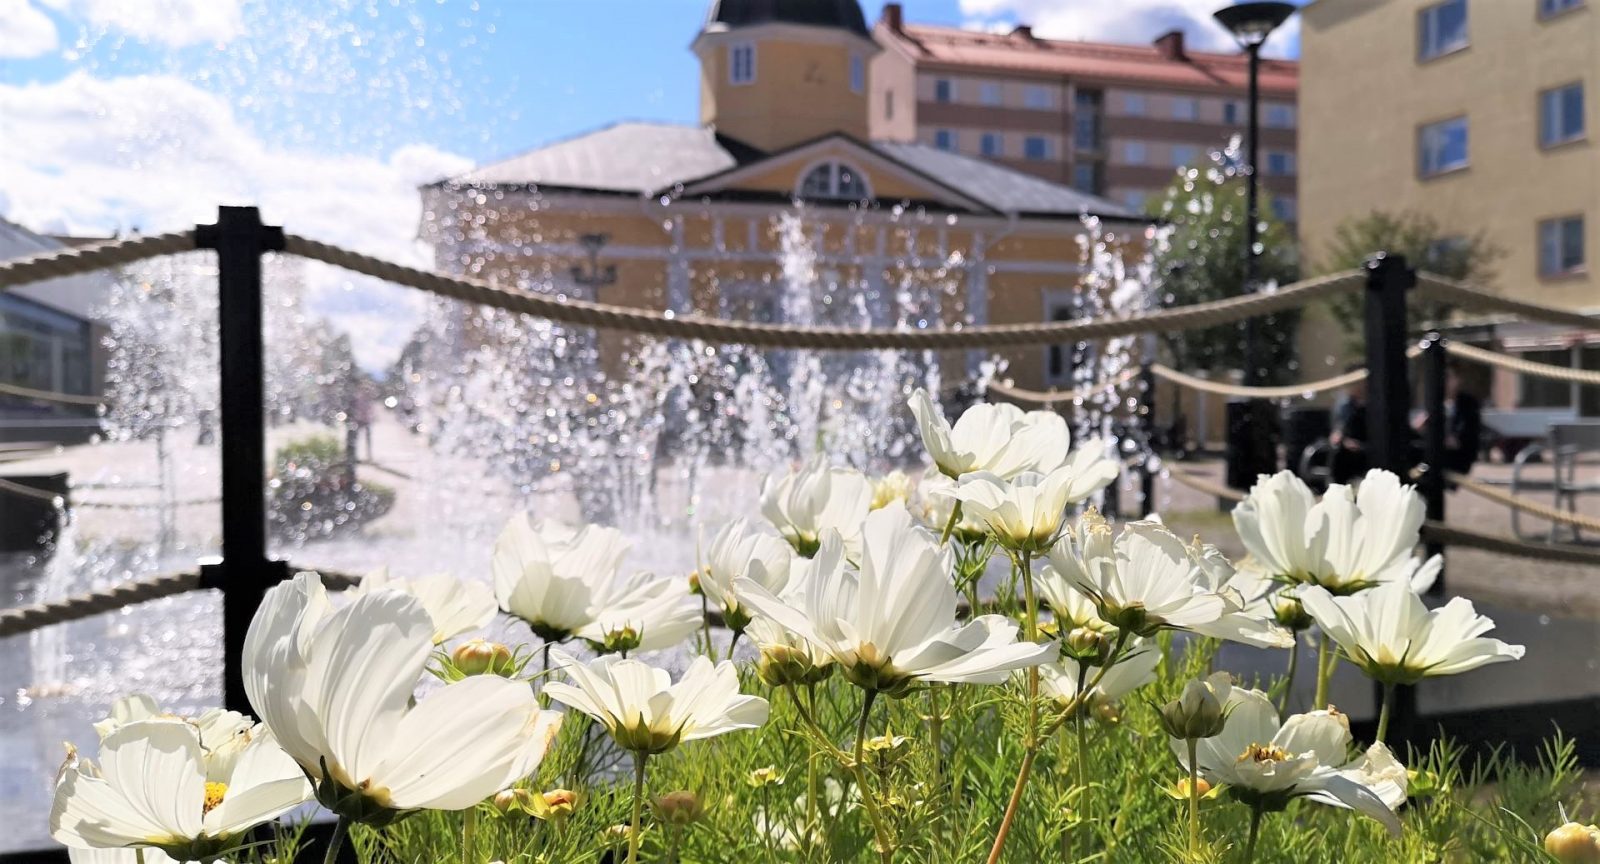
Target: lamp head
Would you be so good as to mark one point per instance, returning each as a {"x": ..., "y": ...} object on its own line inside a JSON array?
[{"x": 1252, "y": 23}]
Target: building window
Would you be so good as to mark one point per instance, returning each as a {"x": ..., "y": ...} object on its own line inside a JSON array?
[
  {"x": 1536, "y": 392},
  {"x": 991, "y": 144},
  {"x": 1280, "y": 164},
  {"x": 989, "y": 93},
  {"x": 1185, "y": 108},
  {"x": 858, "y": 73},
  {"x": 1561, "y": 246},
  {"x": 1037, "y": 97},
  {"x": 1284, "y": 209},
  {"x": 944, "y": 139},
  {"x": 1088, "y": 177},
  {"x": 1184, "y": 155},
  {"x": 1561, "y": 115},
  {"x": 1550, "y": 8},
  {"x": 944, "y": 90},
  {"x": 1230, "y": 112},
  {"x": 1133, "y": 104},
  {"x": 1036, "y": 147},
  {"x": 1442, "y": 147},
  {"x": 1086, "y": 110},
  {"x": 833, "y": 181},
  {"x": 1133, "y": 152},
  {"x": 741, "y": 63},
  {"x": 1279, "y": 116},
  {"x": 1441, "y": 29},
  {"x": 1134, "y": 199}
]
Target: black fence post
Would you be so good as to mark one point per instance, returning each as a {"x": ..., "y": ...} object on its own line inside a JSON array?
[
  {"x": 244, "y": 573},
  {"x": 1389, "y": 407},
  {"x": 1434, "y": 368},
  {"x": 1147, "y": 417}
]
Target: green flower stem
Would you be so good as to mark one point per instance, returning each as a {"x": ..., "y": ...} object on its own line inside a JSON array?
[
  {"x": 766, "y": 836},
  {"x": 1325, "y": 664},
  {"x": 1194, "y": 799},
  {"x": 705, "y": 620},
  {"x": 950, "y": 524},
  {"x": 1288, "y": 681},
  {"x": 675, "y": 841},
  {"x": 733, "y": 642},
  {"x": 1255, "y": 834},
  {"x": 138, "y": 855},
  {"x": 858, "y": 768},
  {"x": 340, "y": 829},
  {"x": 1383, "y": 713},
  {"x": 637, "y": 828},
  {"x": 469, "y": 831},
  {"x": 1022, "y": 561},
  {"x": 935, "y": 737}
]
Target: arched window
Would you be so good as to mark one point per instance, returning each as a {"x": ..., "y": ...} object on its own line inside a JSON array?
[{"x": 834, "y": 181}]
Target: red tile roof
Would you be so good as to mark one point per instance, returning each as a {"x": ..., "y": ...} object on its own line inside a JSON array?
[{"x": 1022, "y": 52}]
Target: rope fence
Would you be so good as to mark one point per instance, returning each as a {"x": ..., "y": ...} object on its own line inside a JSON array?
[
  {"x": 11, "y": 487},
  {"x": 49, "y": 395},
  {"x": 73, "y": 260},
  {"x": 1526, "y": 505},
  {"x": 1450, "y": 291},
  {"x": 1048, "y": 397},
  {"x": 1522, "y": 366}
]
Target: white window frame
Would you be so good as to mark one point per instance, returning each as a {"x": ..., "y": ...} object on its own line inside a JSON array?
[
  {"x": 1424, "y": 170},
  {"x": 858, "y": 73},
  {"x": 999, "y": 141},
  {"x": 1037, "y": 97},
  {"x": 1545, "y": 97},
  {"x": 1557, "y": 224},
  {"x": 834, "y": 168},
  {"x": 991, "y": 93},
  {"x": 734, "y": 50},
  {"x": 1429, "y": 43}
]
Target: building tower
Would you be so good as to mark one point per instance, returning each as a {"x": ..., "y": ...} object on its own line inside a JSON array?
[{"x": 775, "y": 73}]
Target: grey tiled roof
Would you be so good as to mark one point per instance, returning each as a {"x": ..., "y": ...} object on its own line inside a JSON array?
[
  {"x": 652, "y": 158},
  {"x": 624, "y": 157}
]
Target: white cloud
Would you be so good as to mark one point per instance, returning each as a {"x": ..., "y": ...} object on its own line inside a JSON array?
[
  {"x": 27, "y": 31},
  {"x": 93, "y": 155},
  {"x": 171, "y": 22},
  {"x": 1131, "y": 21}
]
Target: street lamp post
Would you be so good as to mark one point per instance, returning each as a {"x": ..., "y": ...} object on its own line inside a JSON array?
[{"x": 1254, "y": 444}]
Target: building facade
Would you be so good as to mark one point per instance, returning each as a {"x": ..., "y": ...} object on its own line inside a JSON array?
[
  {"x": 1475, "y": 113},
  {"x": 705, "y": 218},
  {"x": 1107, "y": 119}
]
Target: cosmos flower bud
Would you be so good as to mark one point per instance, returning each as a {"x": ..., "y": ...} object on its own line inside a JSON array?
[
  {"x": 761, "y": 778},
  {"x": 620, "y": 641},
  {"x": 679, "y": 808},
  {"x": 1197, "y": 712},
  {"x": 694, "y": 584},
  {"x": 1108, "y": 713},
  {"x": 1180, "y": 789},
  {"x": 782, "y": 665},
  {"x": 1288, "y": 612},
  {"x": 553, "y": 806},
  {"x": 482, "y": 657},
  {"x": 508, "y": 801},
  {"x": 885, "y": 750},
  {"x": 1088, "y": 646},
  {"x": 1574, "y": 844}
]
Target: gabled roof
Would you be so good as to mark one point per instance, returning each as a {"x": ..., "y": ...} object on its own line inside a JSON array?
[
  {"x": 838, "y": 14},
  {"x": 651, "y": 159},
  {"x": 1021, "y": 51}
]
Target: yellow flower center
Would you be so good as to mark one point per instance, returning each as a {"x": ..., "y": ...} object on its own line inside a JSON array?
[
  {"x": 214, "y": 794},
  {"x": 1262, "y": 753}
]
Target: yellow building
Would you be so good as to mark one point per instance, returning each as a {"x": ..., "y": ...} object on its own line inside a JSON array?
[
  {"x": 1475, "y": 113},
  {"x": 780, "y": 174}
]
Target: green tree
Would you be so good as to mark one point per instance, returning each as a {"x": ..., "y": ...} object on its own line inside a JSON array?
[
  {"x": 1427, "y": 245},
  {"x": 1202, "y": 258}
]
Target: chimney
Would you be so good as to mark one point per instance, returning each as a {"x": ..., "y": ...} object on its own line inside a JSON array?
[
  {"x": 1170, "y": 45},
  {"x": 1023, "y": 31},
  {"x": 893, "y": 16}
]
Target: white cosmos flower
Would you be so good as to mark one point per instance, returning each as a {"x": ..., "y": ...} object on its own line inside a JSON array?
[
  {"x": 645, "y": 712},
  {"x": 937, "y": 500},
  {"x": 743, "y": 549},
  {"x": 1072, "y": 608},
  {"x": 125, "y": 855},
  {"x": 1028, "y": 511},
  {"x": 224, "y": 734},
  {"x": 564, "y": 582},
  {"x": 1143, "y": 581},
  {"x": 1266, "y": 764},
  {"x": 1348, "y": 541},
  {"x": 336, "y": 687},
  {"x": 893, "y": 623},
  {"x": 994, "y": 437},
  {"x": 891, "y": 487},
  {"x": 805, "y": 504},
  {"x": 1396, "y": 639},
  {"x": 456, "y": 606},
  {"x": 1059, "y": 680},
  {"x": 155, "y": 786},
  {"x": 1249, "y": 618}
]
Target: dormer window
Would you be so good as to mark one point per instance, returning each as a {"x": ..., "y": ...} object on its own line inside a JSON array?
[
  {"x": 833, "y": 181},
  {"x": 742, "y": 63}
]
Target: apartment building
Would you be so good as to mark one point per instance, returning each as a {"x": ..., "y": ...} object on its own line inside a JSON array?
[
  {"x": 1476, "y": 113},
  {"x": 1107, "y": 119}
]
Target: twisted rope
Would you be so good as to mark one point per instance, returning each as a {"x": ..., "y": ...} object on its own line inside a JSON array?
[
  {"x": 97, "y": 256},
  {"x": 1284, "y": 391},
  {"x": 1047, "y": 397},
  {"x": 49, "y": 395},
  {"x": 25, "y": 618},
  {"x": 1201, "y": 484},
  {"x": 147, "y": 505},
  {"x": 1526, "y": 505},
  {"x": 1522, "y": 366},
  {"x": 23, "y": 491},
  {"x": 605, "y": 316},
  {"x": 1456, "y": 293}
]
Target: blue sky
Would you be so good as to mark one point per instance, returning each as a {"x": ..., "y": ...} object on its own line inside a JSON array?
[{"x": 120, "y": 115}]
